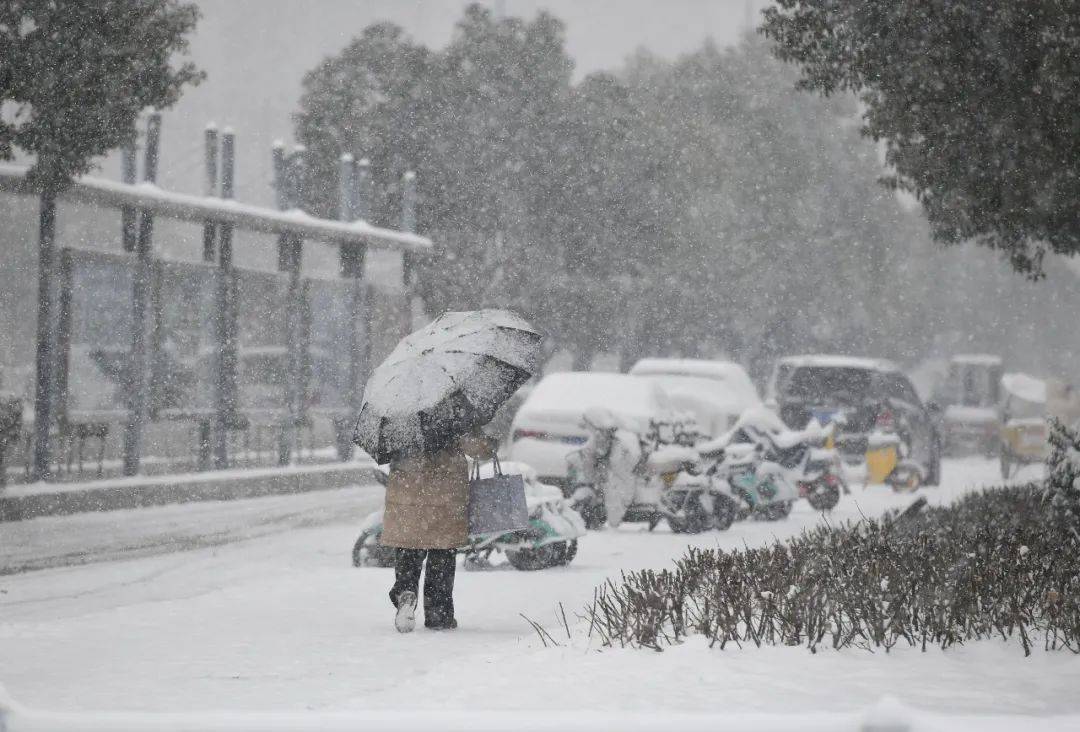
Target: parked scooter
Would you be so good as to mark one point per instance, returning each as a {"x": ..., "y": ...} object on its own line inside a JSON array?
[
  {"x": 550, "y": 539},
  {"x": 766, "y": 466},
  {"x": 612, "y": 476},
  {"x": 761, "y": 487},
  {"x": 692, "y": 500},
  {"x": 610, "y": 457},
  {"x": 822, "y": 481}
]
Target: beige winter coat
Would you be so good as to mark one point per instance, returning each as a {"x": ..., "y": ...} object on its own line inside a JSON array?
[{"x": 427, "y": 496}]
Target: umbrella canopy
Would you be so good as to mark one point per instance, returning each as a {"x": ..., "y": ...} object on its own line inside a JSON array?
[{"x": 444, "y": 380}]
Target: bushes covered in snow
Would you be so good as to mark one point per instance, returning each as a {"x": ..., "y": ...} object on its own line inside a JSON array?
[{"x": 998, "y": 564}]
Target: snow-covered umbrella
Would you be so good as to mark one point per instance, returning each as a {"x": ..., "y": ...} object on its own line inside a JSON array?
[{"x": 444, "y": 380}]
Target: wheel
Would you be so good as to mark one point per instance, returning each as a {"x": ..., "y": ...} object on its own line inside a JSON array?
[
  {"x": 823, "y": 496},
  {"x": 368, "y": 552},
  {"x": 569, "y": 551},
  {"x": 691, "y": 519},
  {"x": 542, "y": 557},
  {"x": 905, "y": 478},
  {"x": 594, "y": 515},
  {"x": 724, "y": 512},
  {"x": 476, "y": 558},
  {"x": 777, "y": 511}
]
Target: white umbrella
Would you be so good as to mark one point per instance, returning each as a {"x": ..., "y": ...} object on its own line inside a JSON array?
[{"x": 444, "y": 380}]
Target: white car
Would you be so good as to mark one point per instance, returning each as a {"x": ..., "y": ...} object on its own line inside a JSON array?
[
  {"x": 548, "y": 427},
  {"x": 715, "y": 392}
]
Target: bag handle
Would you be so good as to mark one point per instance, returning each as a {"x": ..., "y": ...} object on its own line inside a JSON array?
[{"x": 474, "y": 468}]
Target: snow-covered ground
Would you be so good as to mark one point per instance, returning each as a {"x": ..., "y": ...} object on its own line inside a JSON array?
[{"x": 263, "y": 611}]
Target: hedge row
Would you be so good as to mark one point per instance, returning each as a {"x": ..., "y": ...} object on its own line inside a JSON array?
[{"x": 1003, "y": 563}]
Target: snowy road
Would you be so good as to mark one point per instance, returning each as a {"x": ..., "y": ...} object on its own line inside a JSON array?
[{"x": 267, "y": 613}]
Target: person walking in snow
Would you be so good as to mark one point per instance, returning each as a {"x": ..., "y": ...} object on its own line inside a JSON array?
[
  {"x": 422, "y": 410},
  {"x": 425, "y": 518}
]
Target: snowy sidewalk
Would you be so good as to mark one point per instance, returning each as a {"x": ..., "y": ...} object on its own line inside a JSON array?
[
  {"x": 36, "y": 500},
  {"x": 85, "y": 538}
]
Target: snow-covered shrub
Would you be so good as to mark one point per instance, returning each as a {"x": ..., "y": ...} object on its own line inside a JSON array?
[
  {"x": 989, "y": 566},
  {"x": 1063, "y": 477}
]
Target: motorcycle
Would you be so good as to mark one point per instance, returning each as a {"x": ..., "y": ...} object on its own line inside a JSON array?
[
  {"x": 692, "y": 501},
  {"x": 550, "y": 539},
  {"x": 766, "y": 467},
  {"x": 888, "y": 455},
  {"x": 822, "y": 481},
  {"x": 761, "y": 487}
]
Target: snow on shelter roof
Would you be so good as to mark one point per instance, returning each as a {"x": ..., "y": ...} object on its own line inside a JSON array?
[
  {"x": 186, "y": 207},
  {"x": 1025, "y": 387},
  {"x": 851, "y": 362}
]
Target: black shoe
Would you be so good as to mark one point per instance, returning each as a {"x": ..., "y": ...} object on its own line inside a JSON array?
[{"x": 450, "y": 624}]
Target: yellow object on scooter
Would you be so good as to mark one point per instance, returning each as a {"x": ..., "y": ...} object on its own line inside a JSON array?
[{"x": 880, "y": 462}]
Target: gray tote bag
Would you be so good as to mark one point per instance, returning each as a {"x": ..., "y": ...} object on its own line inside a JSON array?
[{"x": 496, "y": 504}]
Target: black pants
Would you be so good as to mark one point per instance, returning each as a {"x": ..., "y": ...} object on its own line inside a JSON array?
[{"x": 438, "y": 581}]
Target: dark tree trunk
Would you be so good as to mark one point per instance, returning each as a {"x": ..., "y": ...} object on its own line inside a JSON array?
[{"x": 45, "y": 341}]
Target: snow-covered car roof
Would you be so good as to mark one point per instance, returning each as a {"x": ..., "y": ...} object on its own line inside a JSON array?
[
  {"x": 850, "y": 362},
  {"x": 978, "y": 359},
  {"x": 722, "y": 383},
  {"x": 721, "y": 370},
  {"x": 564, "y": 397}
]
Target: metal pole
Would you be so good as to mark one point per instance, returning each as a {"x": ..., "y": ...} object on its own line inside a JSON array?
[
  {"x": 127, "y": 213},
  {"x": 62, "y": 358},
  {"x": 408, "y": 223},
  {"x": 290, "y": 254},
  {"x": 228, "y": 166},
  {"x": 281, "y": 192},
  {"x": 211, "y": 189},
  {"x": 408, "y": 264},
  {"x": 352, "y": 269},
  {"x": 362, "y": 193},
  {"x": 206, "y": 439},
  {"x": 207, "y": 442},
  {"x": 408, "y": 202},
  {"x": 139, "y": 386},
  {"x": 283, "y": 196},
  {"x": 225, "y": 315},
  {"x": 346, "y": 187},
  {"x": 44, "y": 382},
  {"x": 364, "y": 196}
]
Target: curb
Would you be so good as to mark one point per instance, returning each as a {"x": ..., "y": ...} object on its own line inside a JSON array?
[{"x": 59, "y": 500}]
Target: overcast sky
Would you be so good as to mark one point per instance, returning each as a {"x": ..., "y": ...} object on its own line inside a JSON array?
[{"x": 255, "y": 53}]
